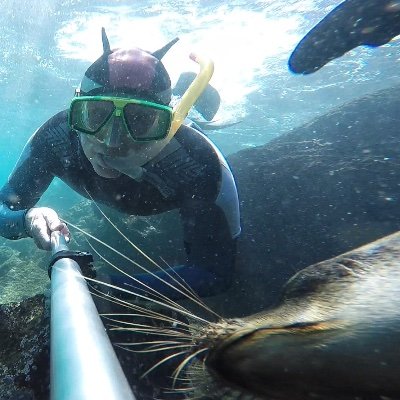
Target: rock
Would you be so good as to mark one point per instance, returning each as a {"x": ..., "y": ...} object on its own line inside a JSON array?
[
  {"x": 24, "y": 349},
  {"x": 316, "y": 192}
]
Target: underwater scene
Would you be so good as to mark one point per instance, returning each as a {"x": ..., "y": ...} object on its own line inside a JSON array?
[{"x": 226, "y": 176}]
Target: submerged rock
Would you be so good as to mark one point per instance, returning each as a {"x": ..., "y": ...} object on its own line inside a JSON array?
[
  {"x": 24, "y": 349},
  {"x": 320, "y": 190}
]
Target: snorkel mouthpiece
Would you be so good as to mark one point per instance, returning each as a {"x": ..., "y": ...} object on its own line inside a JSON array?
[{"x": 193, "y": 92}]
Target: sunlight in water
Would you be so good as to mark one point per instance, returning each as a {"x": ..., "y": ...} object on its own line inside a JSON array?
[{"x": 244, "y": 44}]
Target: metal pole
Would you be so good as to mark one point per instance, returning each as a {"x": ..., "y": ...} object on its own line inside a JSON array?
[{"x": 83, "y": 362}]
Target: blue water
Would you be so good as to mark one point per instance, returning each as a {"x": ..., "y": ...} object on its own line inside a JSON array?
[
  {"x": 47, "y": 45},
  {"x": 46, "y": 49}
]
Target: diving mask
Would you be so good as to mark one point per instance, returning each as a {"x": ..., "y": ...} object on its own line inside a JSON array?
[{"x": 144, "y": 120}]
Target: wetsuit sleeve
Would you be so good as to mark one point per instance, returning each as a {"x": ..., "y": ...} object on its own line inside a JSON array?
[
  {"x": 27, "y": 182},
  {"x": 12, "y": 223}
]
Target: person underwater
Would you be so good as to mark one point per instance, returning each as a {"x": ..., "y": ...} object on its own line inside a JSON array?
[{"x": 122, "y": 145}]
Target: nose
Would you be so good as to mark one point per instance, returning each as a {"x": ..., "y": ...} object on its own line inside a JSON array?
[{"x": 114, "y": 134}]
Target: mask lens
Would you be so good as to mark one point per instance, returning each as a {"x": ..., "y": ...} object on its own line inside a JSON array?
[
  {"x": 89, "y": 116},
  {"x": 145, "y": 122}
]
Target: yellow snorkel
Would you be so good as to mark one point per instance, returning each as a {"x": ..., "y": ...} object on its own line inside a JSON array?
[
  {"x": 193, "y": 92},
  {"x": 149, "y": 150}
]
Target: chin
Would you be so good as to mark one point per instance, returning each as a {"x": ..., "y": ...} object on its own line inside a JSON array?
[{"x": 106, "y": 172}]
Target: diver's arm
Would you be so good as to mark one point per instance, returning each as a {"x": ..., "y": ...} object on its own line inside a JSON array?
[
  {"x": 210, "y": 235},
  {"x": 211, "y": 230},
  {"x": 35, "y": 222},
  {"x": 210, "y": 247},
  {"x": 211, "y": 250},
  {"x": 12, "y": 223},
  {"x": 27, "y": 182}
]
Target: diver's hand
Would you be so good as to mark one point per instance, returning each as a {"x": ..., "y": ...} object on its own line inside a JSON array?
[{"x": 40, "y": 222}]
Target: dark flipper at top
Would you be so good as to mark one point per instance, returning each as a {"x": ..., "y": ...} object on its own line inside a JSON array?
[
  {"x": 207, "y": 104},
  {"x": 351, "y": 24}
]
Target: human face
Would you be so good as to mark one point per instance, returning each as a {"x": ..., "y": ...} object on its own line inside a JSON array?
[
  {"x": 119, "y": 135},
  {"x": 112, "y": 151}
]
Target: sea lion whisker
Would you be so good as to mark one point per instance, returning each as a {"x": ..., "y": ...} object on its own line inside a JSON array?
[
  {"x": 179, "y": 390},
  {"x": 187, "y": 292},
  {"x": 158, "y": 331},
  {"x": 139, "y": 250},
  {"x": 181, "y": 379},
  {"x": 132, "y": 326},
  {"x": 113, "y": 299},
  {"x": 182, "y": 365},
  {"x": 144, "y": 312},
  {"x": 165, "y": 298},
  {"x": 105, "y": 245},
  {"x": 186, "y": 345},
  {"x": 146, "y": 332},
  {"x": 148, "y": 291},
  {"x": 184, "y": 334},
  {"x": 193, "y": 293},
  {"x": 113, "y": 265},
  {"x": 153, "y": 317},
  {"x": 152, "y": 314},
  {"x": 168, "y": 334},
  {"x": 151, "y": 343},
  {"x": 178, "y": 309},
  {"x": 164, "y": 360},
  {"x": 149, "y": 329},
  {"x": 159, "y": 347},
  {"x": 153, "y": 350}
]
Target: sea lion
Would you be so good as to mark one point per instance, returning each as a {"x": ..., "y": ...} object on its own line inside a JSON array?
[{"x": 334, "y": 334}]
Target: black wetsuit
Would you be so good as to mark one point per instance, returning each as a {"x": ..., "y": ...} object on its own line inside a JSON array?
[{"x": 189, "y": 174}]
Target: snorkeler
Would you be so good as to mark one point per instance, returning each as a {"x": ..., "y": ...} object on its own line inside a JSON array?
[
  {"x": 353, "y": 23},
  {"x": 122, "y": 145}
]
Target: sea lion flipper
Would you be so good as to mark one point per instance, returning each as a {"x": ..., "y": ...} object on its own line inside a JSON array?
[{"x": 351, "y": 24}]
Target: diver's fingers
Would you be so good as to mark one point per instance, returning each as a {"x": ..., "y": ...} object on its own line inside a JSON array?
[
  {"x": 55, "y": 224},
  {"x": 40, "y": 222},
  {"x": 37, "y": 228}
]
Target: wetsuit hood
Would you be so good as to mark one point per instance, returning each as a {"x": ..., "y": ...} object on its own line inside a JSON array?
[{"x": 129, "y": 71}]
